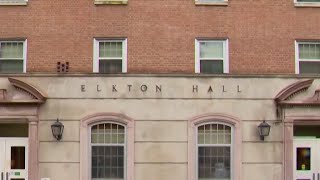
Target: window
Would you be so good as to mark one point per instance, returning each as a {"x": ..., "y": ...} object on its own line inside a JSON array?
[
  {"x": 307, "y": 3},
  {"x": 12, "y": 56},
  {"x": 100, "y": 2},
  {"x": 211, "y": 56},
  {"x": 110, "y": 56},
  {"x": 108, "y": 151},
  {"x": 308, "y": 57},
  {"x": 211, "y": 2},
  {"x": 214, "y": 151},
  {"x": 13, "y": 2}
]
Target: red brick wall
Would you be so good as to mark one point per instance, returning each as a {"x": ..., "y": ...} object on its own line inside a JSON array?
[{"x": 161, "y": 33}]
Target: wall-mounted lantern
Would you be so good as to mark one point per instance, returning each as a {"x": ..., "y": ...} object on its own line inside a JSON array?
[
  {"x": 57, "y": 129},
  {"x": 264, "y": 130}
]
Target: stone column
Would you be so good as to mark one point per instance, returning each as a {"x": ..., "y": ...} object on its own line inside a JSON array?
[
  {"x": 288, "y": 150},
  {"x": 33, "y": 164}
]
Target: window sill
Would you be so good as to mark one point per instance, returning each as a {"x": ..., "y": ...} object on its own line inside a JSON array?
[
  {"x": 99, "y": 2},
  {"x": 307, "y": 4},
  {"x": 213, "y": 3},
  {"x": 13, "y": 3}
]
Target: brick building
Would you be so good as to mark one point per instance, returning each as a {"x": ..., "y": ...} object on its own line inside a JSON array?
[{"x": 159, "y": 90}]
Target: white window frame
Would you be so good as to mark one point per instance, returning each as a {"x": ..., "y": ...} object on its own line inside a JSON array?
[
  {"x": 13, "y": 2},
  {"x": 297, "y": 59},
  {"x": 24, "y": 55},
  {"x": 306, "y": 4},
  {"x": 225, "y": 58},
  {"x": 216, "y": 145},
  {"x": 212, "y": 2},
  {"x": 96, "y": 53},
  {"x": 124, "y": 149}
]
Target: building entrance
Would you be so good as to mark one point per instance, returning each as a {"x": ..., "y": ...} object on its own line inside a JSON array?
[
  {"x": 13, "y": 151},
  {"x": 306, "y": 156},
  {"x": 306, "y": 152}
]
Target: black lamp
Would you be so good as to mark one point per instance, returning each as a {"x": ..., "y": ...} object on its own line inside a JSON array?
[
  {"x": 57, "y": 129},
  {"x": 264, "y": 130}
]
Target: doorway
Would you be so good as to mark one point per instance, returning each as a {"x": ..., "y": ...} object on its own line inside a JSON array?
[
  {"x": 306, "y": 152},
  {"x": 14, "y": 158}
]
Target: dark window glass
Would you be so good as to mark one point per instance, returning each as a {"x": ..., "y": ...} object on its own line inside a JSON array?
[
  {"x": 303, "y": 158},
  {"x": 11, "y": 66},
  {"x": 211, "y": 66},
  {"x": 110, "y": 66},
  {"x": 308, "y": 67},
  {"x": 13, "y": 130},
  {"x": 18, "y": 157},
  {"x": 107, "y": 162},
  {"x": 308, "y": 0},
  {"x": 214, "y": 163}
]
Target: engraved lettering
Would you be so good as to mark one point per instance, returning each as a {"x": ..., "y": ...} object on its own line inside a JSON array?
[
  {"x": 98, "y": 88},
  {"x": 210, "y": 90},
  {"x": 114, "y": 88},
  {"x": 195, "y": 88},
  {"x": 239, "y": 90},
  {"x": 158, "y": 88},
  {"x": 83, "y": 88},
  {"x": 129, "y": 87},
  {"x": 223, "y": 89},
  {"x": 144, "y": 88}
]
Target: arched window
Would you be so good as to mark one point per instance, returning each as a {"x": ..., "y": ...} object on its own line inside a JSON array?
[
  {"x": 214, "y": 147},
  {"x": 107, "y": 147},
  {"x": 108, "y": 151},
  {"x": 214, "y": 151}
]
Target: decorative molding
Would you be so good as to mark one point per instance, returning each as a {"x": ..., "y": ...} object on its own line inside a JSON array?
[
  {"x": 311, "y": 101},
  {"x": 36, "y": 96},
  {"x": 291, "y": 90},
  {"x": 282, "y": 99}
]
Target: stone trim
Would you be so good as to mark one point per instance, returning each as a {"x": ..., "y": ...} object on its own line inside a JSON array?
[
  {"x": 311, "y": 101},
  {"x": 289, "y": 91},
  {"x": 84, "y": 139},
  {"x": 28, "y": 88},
  {"x": 237, "y": 141}
]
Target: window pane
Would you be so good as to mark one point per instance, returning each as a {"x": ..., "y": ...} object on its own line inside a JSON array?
[
  {"x": 108, "y": 133},
  {"x": 309, "y": 67},
  {"x": 110, "y": 66},
  {"x": 18, "y": 157},
  {"x": 214, "y": 163},
  {"x": 11, "y": 50},
  {"x": 303, "y": 159},
  {"x": 109, "y": 162},
  {"x": 214, "y": 134},
  {"x": 110, "y": 49},
  {"x": 309, "y": 51},
  {"x": 11, "y": 66},
  {"x": 211, "y": 49},
  {"x": 211, "y": 66},
  {"x": 308, "y": 0}
]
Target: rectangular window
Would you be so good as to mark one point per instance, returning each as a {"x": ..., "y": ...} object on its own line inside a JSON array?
[
  {"x": 212, "y": 2},
  {"x": 108, "y": 150},
  {"x": 307, "y": 3},
  {"x": 214, "y": 152},
  {"x": 13, "y": 2},
  {"x": 12, "y": 56},
  {"x": 307, "y": 57},
  {"x": 110, "y": 56},
  {"x": 211, "y": 56}
]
